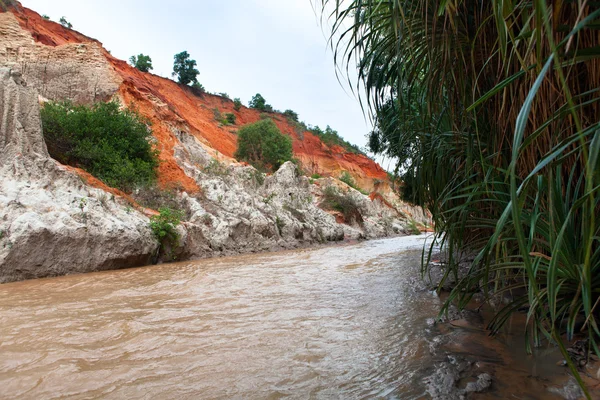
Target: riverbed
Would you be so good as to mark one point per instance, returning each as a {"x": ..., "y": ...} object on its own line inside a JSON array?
[{"x": 349, "y": 321}]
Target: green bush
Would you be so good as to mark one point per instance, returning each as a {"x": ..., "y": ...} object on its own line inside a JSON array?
[
  {"x": 263, "y": 145},
  {"x": 109, "y": 143},
  {"x": 316, "y": 176},
  {"x": 237, "y": 104},
  {"x": 230, "y": 118},
  {"x": 259, "y": 103},
  {"x": 164, "y": 227},
  {"x": 217, "y": 114},
  {"x": 331, "y": 137},
  {"x": 141, "y": 62},
  {"x": 291, "y": 115}
]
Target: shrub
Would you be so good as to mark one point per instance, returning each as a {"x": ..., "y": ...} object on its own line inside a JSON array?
[
  {"x": 46, "y": 17},
  {"x": 342, "y": 202},
  {"x": 63, "y": 21},
  {"x": 347, "y": 179},
  {"x": 331, "y": 137},
  {"x": 223, "y": 94},
  {"x": 263, "y": 145},
  {"x": 141, "y": 62},
  {"x": 217, "y": 114},
  {"x": 258, "y": 102},
  {"x": 185, "y": 69},
  {"x": 198, "y": 89},
  {"x": 230, "y": 118},
  {"x": 164, "y": 227},
  {"x": 316, "y": 176},
  {"x": 109, "y": 143},
  {"x": 237, "y": 104},
  {"x": 292, "y": 115}
]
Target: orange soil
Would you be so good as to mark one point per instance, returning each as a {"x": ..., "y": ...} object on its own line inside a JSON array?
[{"x": 170, "y": 106}]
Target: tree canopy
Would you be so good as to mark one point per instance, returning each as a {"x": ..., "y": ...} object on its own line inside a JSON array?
[
  {"x": 184, "y": 69},
  {"x": 141, "y": 62},
  {"x": 263, "y": 145}
]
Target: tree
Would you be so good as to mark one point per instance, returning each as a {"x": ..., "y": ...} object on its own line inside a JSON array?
[
  {"x": 63, "y": 21},
  {"x": 185, "y": 69},
  {"x": 291, "y": 114},
  {"x": 258, "y": 102},
  {"x": 110, "y": 143},
  {"x": 263, "y": 145},
  {"x": 141, "y": 62},
  {"x": 46, "y": 17}
]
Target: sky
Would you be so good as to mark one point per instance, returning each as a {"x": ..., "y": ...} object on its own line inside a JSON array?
[{"x": 277, "y": 48}]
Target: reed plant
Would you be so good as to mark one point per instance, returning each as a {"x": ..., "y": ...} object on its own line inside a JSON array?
[{"x": 491, "y": 108}]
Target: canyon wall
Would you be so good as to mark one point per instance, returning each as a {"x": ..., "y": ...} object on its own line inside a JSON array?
[{"x": 57, "y": 219}]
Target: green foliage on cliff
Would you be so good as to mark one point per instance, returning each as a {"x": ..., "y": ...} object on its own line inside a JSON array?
[
  {"x": 164, "y": 226},
  {"x": 331, "y": 137},
  {"x": 141, "y": 62},
  {"x": 184, "y": 69},
  {"x": 334, "y": 199},
  {"x": 237, "y": 104},
  {"x": 263, "y": 145},
  {"x": 63, "y": 21},
  {"x": 109, "y": 143},
  {"x": 258, "y": 102}
]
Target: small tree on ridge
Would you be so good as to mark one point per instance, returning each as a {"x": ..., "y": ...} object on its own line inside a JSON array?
[
  {"x": 141, "y": 62},
  {"x": 185, "y": 69}
]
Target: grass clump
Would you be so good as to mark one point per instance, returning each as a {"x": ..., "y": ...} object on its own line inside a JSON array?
[
  {"x": 263, "y": 145},
  {"x": 110, "y": 143},
  {"x": 164, "y": 227},
  {"x": 349, "y": 180}
]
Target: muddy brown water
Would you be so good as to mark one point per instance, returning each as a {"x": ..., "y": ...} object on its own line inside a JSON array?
[{"x": 345, "y": 322}]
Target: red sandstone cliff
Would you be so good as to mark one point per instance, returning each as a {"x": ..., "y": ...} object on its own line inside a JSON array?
[{"x": 168, "y": 105}]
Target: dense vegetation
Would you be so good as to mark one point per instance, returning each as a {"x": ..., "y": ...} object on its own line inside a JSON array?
[
  {"x": 141, "y": 62},
  {"x": 331, "y": 138},
  {"x": 110, "y": 143},
  {"x": 492, "y": 110},
  {"x": 185, "y": 70},
  {"x": 263, "y": 145},
  {"x": 258, "y": 102}
]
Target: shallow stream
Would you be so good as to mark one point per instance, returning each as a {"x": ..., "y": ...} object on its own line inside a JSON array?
[{"x": 348, "y": 321}]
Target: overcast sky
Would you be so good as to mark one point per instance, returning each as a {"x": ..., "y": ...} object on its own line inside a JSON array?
[{"x": 273, "y": 47}]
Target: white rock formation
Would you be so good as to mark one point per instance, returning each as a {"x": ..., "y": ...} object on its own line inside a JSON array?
[{"x": 51, "y": 223}]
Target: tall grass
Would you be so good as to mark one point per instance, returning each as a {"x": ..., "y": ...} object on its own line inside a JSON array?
[{"x": 491, "y": 107}]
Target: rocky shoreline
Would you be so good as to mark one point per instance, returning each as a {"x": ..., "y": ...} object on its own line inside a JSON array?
[{"x": 471, "y": 361}]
